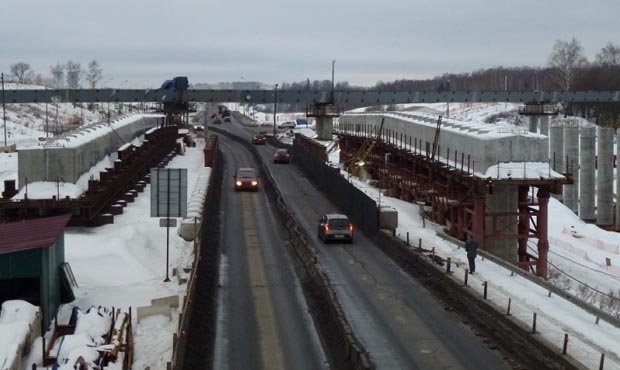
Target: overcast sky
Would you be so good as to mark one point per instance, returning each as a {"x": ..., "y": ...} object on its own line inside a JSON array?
[{"x": 145, "y": 42}]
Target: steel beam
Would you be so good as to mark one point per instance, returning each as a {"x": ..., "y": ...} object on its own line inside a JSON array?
[{"x": 348, "y": 97}]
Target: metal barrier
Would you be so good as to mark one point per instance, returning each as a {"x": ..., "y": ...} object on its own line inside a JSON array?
[
  {"x": 355, "y": 203},
  {"x": 197, "y": 315}
]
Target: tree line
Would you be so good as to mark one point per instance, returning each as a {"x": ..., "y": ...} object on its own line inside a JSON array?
[
  {"x": 69, "y": 74},
  {"x": 567, "y": 69}
]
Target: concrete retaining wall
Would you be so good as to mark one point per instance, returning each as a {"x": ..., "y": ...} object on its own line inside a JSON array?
[
  {"x": 71, "y": 157},
  {"x": 485, "y": 143}
]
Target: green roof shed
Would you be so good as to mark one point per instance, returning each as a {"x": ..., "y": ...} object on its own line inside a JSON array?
[{"x": 31, "y": 255}]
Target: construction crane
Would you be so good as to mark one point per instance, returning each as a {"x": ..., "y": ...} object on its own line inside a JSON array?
[
  {"x": 436, "y": 139},
  {"x": 357, "y": 160}
]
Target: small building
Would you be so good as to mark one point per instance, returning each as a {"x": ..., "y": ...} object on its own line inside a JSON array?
[{"x": 32, "y": 257}]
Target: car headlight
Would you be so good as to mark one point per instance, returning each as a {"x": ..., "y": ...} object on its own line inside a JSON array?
[
  {"x": 238, "y": 183},
  {"x": 254, "y": 183}
]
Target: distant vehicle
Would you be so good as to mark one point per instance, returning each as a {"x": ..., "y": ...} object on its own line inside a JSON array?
[
  {"x": 227, "y": 119},
  {"x": 282, "y": 156},
  {"x": 259, "y": 139},
  {"x": 246, "y": 178},
  {"x": 333, "y": 226},
  {"x": 180, "y": 83},
  {"x": 301, "y": 121},
  {"x": 199, "y": 128},
  {"x": 288, "y": 124},
  {"x": 217, "y": 121}
]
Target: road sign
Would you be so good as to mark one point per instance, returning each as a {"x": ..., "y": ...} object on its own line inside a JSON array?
[
  {"x": 167, "y": 222},
  {"x": 169, "y": 192}
]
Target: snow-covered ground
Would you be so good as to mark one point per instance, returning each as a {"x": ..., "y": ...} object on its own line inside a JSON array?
[{"x": 118, "y": 265}]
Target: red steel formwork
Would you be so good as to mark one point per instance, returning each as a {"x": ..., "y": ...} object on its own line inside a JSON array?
[{"x": 455, "y": 197}]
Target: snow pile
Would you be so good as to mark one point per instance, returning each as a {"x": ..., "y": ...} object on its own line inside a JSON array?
[
  {"x": 521, "y": 170},
  {"x": 16, "y": 319},
  {"x": 48, "y": 189},
  {"x": 91, "y": 326},
  {"x": 86, "y": 134}
]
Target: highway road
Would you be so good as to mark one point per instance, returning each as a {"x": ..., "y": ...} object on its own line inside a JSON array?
[
  {"x": 400, "y": 323},
  {"x": 263, "y": 321}
]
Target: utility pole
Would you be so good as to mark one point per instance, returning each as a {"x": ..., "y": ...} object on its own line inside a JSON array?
[
  {"x": 333, "y": 63},
  {"x": 47, "y": 123},
  {"x": 275, "y": 109},
  {"x": 3, "y": 108}
]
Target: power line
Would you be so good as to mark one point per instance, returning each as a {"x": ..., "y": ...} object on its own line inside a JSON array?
[{"x": 579, "y": 281}]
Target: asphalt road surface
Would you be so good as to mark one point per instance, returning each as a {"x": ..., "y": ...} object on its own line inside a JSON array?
[
  {"x": 400, "y": 323},
  {"x": 263, "y": 320}
]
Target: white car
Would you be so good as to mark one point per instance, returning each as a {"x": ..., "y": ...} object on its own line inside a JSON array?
[{"x": 288, "y": 124}]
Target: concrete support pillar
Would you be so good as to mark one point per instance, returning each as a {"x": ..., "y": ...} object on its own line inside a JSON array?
[
  {"x": 604, "y": 178},
  {"x": 324, "y": 128},
  {"x": 556, "y": 147},
  {"x": 504, "y": 199},
  {"x": 587, "y": 137},
  {"x": 544, "y": 125},
  {"x": 533, "y": 124},
  {"x": 571, "y": 156}
]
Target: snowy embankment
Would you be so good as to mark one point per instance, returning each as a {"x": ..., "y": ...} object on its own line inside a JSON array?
[
  {"x": 130, "y": 260},
  {"x": 20, "y": 322},
  {"x": 123, "y": 265}
]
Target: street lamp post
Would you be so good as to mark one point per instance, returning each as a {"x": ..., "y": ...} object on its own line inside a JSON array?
[{"x": 275, "y": 109}]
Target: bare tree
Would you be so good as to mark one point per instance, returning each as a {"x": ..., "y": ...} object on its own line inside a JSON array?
[
  {"x": 567, "y": 58},
  {"x": 74, "y": 74},
  {"x": 22, "y": 72},
  {"x": 94, "y": 74},
  {"x": 58, "y": 74},
  {"x": 609, "y": 55}
]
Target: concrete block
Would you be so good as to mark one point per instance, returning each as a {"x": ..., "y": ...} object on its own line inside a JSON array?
[
  {"x": 388, "y": 218},
  {"x": 170, "y": 301},
  {"x": 116, "y": 209},
  {"x": 76, "y": 158},
  {"x": 148, "y": 311}
]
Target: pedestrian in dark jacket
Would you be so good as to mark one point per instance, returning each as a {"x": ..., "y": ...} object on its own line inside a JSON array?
[{"x": 471, "y": 246}]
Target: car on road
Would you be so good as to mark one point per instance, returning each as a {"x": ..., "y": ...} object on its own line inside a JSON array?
[
  {"x": 334, "y": 226},
  {"x": 199, "y": 128},
  {"x": 246, "y": 178},
  {"x": 282, "y": 155},
  {"x": 287, "y": 124},
  {"x": 227, "y": 119},
  {"x": 259, "y": 139},
  {"x": 217, "y": 121}
]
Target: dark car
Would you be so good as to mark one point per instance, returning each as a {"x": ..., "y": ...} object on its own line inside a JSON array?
[
  {"x": 282, "y": 156},
  {"x": 217, "y": 121},
  {"x": 246, "y": 178},
  {"x": 227, "y": 119},
  {"x": 336, "y": 227},
  {"x": 259, "y": 139}
]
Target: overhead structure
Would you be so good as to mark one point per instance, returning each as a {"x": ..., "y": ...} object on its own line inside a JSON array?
[
  {"x": 474, "y": 186},
  {"x": 338, "y": 97}
]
